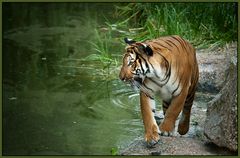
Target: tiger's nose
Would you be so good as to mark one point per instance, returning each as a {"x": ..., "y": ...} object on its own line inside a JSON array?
[{"x": 123, "y": 77}]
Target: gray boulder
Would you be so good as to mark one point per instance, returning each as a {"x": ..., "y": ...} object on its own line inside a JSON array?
[
  {"x": 221, "y": 120},
  {"x": 213, "y": 66}
]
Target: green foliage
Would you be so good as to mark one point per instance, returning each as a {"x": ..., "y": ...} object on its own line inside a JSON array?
[
  {"x": 101, "y": 46},
  {"x": 203, "y": 24}
]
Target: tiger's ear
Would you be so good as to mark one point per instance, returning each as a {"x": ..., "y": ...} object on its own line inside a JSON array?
[
  {"x": 129, "y": 41},
  {"x": 147, "y": 49}
]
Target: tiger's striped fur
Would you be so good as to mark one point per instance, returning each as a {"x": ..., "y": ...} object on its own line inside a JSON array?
[{"x": 165, "y": 66}]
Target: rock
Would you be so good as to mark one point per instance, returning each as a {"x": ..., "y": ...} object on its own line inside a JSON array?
[
  {"x": 213, "y": 66},
  {"x": 221, "y": 120},
  {"x": 173, "y": 146}
]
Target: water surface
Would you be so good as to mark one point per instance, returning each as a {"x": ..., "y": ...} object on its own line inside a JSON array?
[{"x": 54, "y": 102}]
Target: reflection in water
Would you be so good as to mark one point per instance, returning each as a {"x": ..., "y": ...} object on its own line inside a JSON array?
[{"x": 53, "y": 102}]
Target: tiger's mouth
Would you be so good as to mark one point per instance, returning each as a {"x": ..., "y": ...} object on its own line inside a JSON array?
[{"x": 138, "y": 79}]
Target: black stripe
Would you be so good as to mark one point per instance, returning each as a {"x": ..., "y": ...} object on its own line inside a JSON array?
[
  {"x": 168, "y": 74},
  {"x": 141, "y": 66},
  {"x": 171, "y": 42},
  {"x": 167, "y": 43},
  {"x": 155, "y": 82},
  {"x": 176, "y": 89},
  {"x": 163, "y": 46},
  {"x": 168, "y": 71},
  {"x": 176, "y": 77},
  {"x": 143, "y": 84},
  {"x": 178, "y": 85},
  {"x": 143, "y": 60},
  {"x": 168, "y": 66},
  {"x": 137, "y": 58},
  {"x": 148, "y": 96},
  {"x": 174, "y": 45},
  {"x": 167, "y": 78},
  {"x": 154, "y": 71},
  {"x": 165, "y": 102},
  {"x": 184, "y": 85},
  {"x": 157, "y": 43},
  {"x": 181, "y": 41},
  {"x": 165, "y": 106}
]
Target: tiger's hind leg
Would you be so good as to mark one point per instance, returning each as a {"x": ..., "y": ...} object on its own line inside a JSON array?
[{"x": 183, "y": 125}]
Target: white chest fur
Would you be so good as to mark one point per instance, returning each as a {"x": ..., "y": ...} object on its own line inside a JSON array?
[{"x": 166, "y": 90}]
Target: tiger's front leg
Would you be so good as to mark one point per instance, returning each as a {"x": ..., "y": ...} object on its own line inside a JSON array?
[{"x": 150, "y": 125}]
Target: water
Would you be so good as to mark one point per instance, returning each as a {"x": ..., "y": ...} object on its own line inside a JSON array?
[{"x": 54, "y": 103}]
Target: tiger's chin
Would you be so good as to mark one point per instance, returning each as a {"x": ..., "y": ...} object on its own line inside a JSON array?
[{"x": 136, "y": 83}]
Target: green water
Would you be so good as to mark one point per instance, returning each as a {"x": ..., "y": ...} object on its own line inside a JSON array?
[{"x": 54, "y": 103}]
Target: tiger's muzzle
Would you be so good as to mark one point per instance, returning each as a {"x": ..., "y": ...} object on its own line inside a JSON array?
[{"x": 128, "y": 78}]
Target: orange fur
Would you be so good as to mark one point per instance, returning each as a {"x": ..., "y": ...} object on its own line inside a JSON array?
[
  {"x": 171, "y": 70},
  {"x": 151, "y": 132}
]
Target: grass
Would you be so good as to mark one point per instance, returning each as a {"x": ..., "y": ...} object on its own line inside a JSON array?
[
  {"x": 203, "y": 24},
  {"x": 101, "y": 45}
]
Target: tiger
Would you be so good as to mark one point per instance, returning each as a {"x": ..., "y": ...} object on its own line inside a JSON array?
[{"x": 165, "y": 66}]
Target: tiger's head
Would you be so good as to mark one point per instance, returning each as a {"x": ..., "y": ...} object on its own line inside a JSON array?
[{"x": 135, "y": 67}]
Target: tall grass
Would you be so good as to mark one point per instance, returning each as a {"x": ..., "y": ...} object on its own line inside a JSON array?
[
  {"x": 101, "y": 45},
  {"x": 203, "y": 24}
]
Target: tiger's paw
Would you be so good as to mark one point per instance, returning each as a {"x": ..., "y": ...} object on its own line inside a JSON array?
[
  {"x": 152, "y": 143},
  {"x": 166, "y": 128},
  {"x": 152, "y": 136},
  {"x": 168, "y": 134},
  {"x": 183, "y": 128}
]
